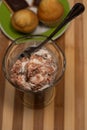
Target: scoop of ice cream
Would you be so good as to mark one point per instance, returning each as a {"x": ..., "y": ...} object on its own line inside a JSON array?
[{"x": 35, "y": 73}]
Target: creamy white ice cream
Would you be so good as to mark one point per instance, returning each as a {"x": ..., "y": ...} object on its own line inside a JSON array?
[{"x": 35, "y": 73}]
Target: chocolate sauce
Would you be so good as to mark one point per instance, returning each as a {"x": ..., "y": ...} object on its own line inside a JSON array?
[
  {"x": 16, "y": 5},
  {"x": 36, "y": 2}
]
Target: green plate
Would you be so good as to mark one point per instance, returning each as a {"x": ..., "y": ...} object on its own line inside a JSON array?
[{"x": 6, "y": 27}]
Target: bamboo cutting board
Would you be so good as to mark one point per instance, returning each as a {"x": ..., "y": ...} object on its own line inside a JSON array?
[{"x": 68, "y": 111}]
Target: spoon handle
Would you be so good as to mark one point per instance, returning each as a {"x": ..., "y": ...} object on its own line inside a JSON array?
[{"x": 76, "y": 10}]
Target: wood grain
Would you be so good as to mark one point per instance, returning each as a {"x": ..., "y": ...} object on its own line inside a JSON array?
[
  {"x": 79, "y": 75},
  {"x": 85, "y": 61},
  {"x": 68, "y": 110},
  {"x": 3, "y": 45},
  {"x": 48, "y": 123},
  {"x": 28, "y": 117},
  {"x": 38, "y": 119},
  {"x": 8, "y": 107},
  {"x": 18, "y": 112}
]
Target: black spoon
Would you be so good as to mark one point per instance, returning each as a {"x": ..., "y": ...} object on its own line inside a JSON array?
[{"x": 76, "y": 10}]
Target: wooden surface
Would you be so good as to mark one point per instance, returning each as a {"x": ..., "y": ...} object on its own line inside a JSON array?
[{"x": 68, "y": 111}]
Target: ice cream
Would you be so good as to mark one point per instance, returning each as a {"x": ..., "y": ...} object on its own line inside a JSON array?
[{"x": 36, "y": 72}]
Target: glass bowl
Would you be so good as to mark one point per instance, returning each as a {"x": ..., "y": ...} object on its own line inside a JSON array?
[{"x": 39, "y": 98}]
